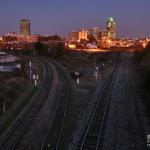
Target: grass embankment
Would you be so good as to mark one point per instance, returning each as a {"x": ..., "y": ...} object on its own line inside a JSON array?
[{"x": 17, "y": 111}]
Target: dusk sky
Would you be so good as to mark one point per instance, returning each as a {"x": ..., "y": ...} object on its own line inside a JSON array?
[{"x": 61, "y": 16}]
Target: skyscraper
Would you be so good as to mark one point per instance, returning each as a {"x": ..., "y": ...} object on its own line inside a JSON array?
[
  {"x": 83, "y": 34},
  {"x": 25, "y": 27},
  {"x": 111, "y": 27}
]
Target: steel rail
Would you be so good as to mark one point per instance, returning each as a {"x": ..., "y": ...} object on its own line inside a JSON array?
[
  {"x": 136, "y": 130},
  {"x": 95, "y": 128},
  {"x": 52, "y": 139},
  {"x": 23, "y": 122}
]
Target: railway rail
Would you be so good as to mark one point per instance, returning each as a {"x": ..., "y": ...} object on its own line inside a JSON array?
[
  {"x": 136, "y": 129},
  {"x": 23, "y": 122},
  {"x": 93, "y": 136},
  {"x": 53, "y": 136}
]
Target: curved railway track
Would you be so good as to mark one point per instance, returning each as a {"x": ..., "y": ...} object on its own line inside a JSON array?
[
  {"x": 94, "y": 134},
  {"x": 23, "y": 122},
  {"x": 53, "y": 136}
]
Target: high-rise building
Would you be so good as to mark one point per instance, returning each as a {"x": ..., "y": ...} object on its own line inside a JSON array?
[
  {"x": 73, "y": 36},
  {"x": 83, "y": 34},
  {"x": 103, "y": 35},
  {"x": 95, "y": 33},
  {"x": 111, "y": 28},
  {"x": 25, "y": 27},
  {"x": 78, "y": 35}
]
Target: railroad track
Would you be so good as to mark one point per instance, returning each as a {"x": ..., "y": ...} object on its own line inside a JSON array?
[
  {"x": 53, "y": 136},
  {"x": 23, "y": 122},
  {"x": 93, "y": 137},
  {"x": 136, "y": 129}
]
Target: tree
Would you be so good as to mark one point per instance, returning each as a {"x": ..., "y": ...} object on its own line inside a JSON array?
[
  {"x": 91, "y": 39},
  {"x": 50, "y": 38},
  {"x": 57, "y": 49},
  {"x": 40, "y": 48},
  {"x": 55, "y": 38}
]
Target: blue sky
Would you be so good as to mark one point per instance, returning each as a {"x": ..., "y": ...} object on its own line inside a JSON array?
[{"x": 61, "y": 16}]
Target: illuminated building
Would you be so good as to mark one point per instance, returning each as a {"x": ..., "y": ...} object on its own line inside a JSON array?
[
  {"x": 95, "y": 33},
  {"x": 104, "y": 40},
  {"x": 72, "y": 46},
  {"x": 83, "y": 34},
  {"x": 73, "y": 36},
  {"x": 78, "y": 35},
  {"x": 103, "y": 35},
  {"x": 25, "y": 27},
  {"x": 33, "y": 38},
  {"x": 111, "y": 27},
  {"x": 29, "y": 39}
]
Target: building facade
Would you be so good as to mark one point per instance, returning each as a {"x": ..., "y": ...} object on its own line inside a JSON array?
[
  {"x": 83, "y": 34},
  {"x": 73, "y": 36},
  {"x": 111, "y": 28},
  {"x": 95, "y": 33},
  {"x": 25, "y": 27}
]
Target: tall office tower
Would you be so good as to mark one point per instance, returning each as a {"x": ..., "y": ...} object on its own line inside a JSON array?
[
  {"x": 111, "y": 28},
  {"x": 83, "y": 34},
  {"x": 25, "y": 27}
]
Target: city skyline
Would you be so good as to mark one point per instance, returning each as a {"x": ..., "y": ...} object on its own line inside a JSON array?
[{"x": 61, "y": 18}]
